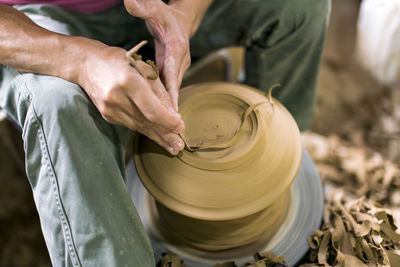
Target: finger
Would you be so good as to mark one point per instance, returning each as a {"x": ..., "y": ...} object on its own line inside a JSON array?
[
  {"x": 172, "y": 149},
  {"x": 146, "y": 128},
  {"x": 174, "y": 98},
  {"x": 182, "y": 70},
  {"x": 152, "y": 108},
  {"x": 160, "y": 54},
  {"x": 133, "y": 113},
  {"x": 173, "y": 72},
  {"x": 174, "y": 140},
  {"x": 170, "y": 75},
  {"x": 160, "y": 91},
  {"x": 150, "y": 133},
  {"x": 156, "y": 85}
]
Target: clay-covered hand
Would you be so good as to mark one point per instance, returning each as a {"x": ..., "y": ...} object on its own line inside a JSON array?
[
  {"x": 171, "y": 25},
  {"x": 126, "y": 98}
]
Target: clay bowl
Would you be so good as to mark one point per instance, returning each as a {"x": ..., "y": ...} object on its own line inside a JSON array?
[{"x": 244, "y": 151}]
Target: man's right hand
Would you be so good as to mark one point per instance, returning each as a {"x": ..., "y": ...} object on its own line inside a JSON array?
[
  {"x": 119, "y": 92},
  {"x": 126, "y": 98}
]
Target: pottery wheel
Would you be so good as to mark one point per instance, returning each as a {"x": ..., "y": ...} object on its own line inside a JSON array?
[
  {"x": 228, "y": 193},
  {"x": 289, "y": 240}
]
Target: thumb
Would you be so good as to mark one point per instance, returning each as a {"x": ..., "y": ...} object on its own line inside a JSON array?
[{"x": 171, "y": 79}]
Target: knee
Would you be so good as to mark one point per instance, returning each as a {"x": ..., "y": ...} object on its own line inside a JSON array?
[
  {"x": 313, "y": 17},
  {"x": 57, "y": 99}
]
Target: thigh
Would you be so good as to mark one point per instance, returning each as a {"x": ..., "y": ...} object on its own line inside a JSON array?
[
  {"x": 256, "y": 22},
  {"x": 283, "y": 43},
  {"x": 113, "y": 26},
  {"x": 74, "y": 158},
  {"x": 75, "y": 165}
]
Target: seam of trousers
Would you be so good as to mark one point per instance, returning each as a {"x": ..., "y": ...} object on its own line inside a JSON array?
[{"x": 68, "y": 238}]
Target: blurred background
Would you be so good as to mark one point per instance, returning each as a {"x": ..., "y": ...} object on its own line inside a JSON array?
[{"x": 355, "y": 133}]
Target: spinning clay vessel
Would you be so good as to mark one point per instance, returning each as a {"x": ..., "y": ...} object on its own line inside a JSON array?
[{"x": 230, "y": 186}]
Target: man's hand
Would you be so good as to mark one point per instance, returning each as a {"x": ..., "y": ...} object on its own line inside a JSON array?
[
  {"x": 119, "y": 92},
  {"x": 171, "y": 25},
  {"x": 126, "y": 98}
]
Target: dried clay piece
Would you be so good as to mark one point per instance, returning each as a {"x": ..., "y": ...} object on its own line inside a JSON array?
[
  {"x": 133, "y": 56},
  {"x": 355, "y": 233},
  {"x": 233, "y": 189},
  {"x": 170, "y": 260}
]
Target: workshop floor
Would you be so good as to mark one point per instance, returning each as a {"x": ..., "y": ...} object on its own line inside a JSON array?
[{"x": 349, "y": 105}]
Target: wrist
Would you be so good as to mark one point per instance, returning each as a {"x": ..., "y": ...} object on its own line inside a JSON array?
[
  {"x": 194, "y": 10},
  {"x": 75, "y": 52}
]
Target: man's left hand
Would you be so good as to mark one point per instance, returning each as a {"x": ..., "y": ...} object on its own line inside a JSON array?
[{"x": 171, "y": 25}]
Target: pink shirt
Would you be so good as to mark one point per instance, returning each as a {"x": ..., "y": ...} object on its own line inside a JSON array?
[{"x": 86, "y": 6}]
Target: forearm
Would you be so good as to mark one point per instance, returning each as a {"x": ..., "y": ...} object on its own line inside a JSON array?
[
  {"x": 195, "y": 9},
  {"x": 27, "y": 47}
]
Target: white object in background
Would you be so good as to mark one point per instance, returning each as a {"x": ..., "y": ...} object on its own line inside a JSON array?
[
  {"x": 3, "y": 115},
  {"x": 378, "y": 40}
]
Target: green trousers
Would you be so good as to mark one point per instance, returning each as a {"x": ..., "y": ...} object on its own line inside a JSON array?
[{"x": 75, "y": 159}]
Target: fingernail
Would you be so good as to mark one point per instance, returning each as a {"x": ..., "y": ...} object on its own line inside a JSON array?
[
  {"x": 180, "y": 128},
  {"x": 171, "y": 150},
  {"x": 178, "y": 145}
]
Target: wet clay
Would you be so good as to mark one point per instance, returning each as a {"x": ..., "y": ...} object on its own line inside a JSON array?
[
  {"x": 229, "y": 186},
  {"x": 202, "y": 143},
  {"x": 211, "y": 235}
]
